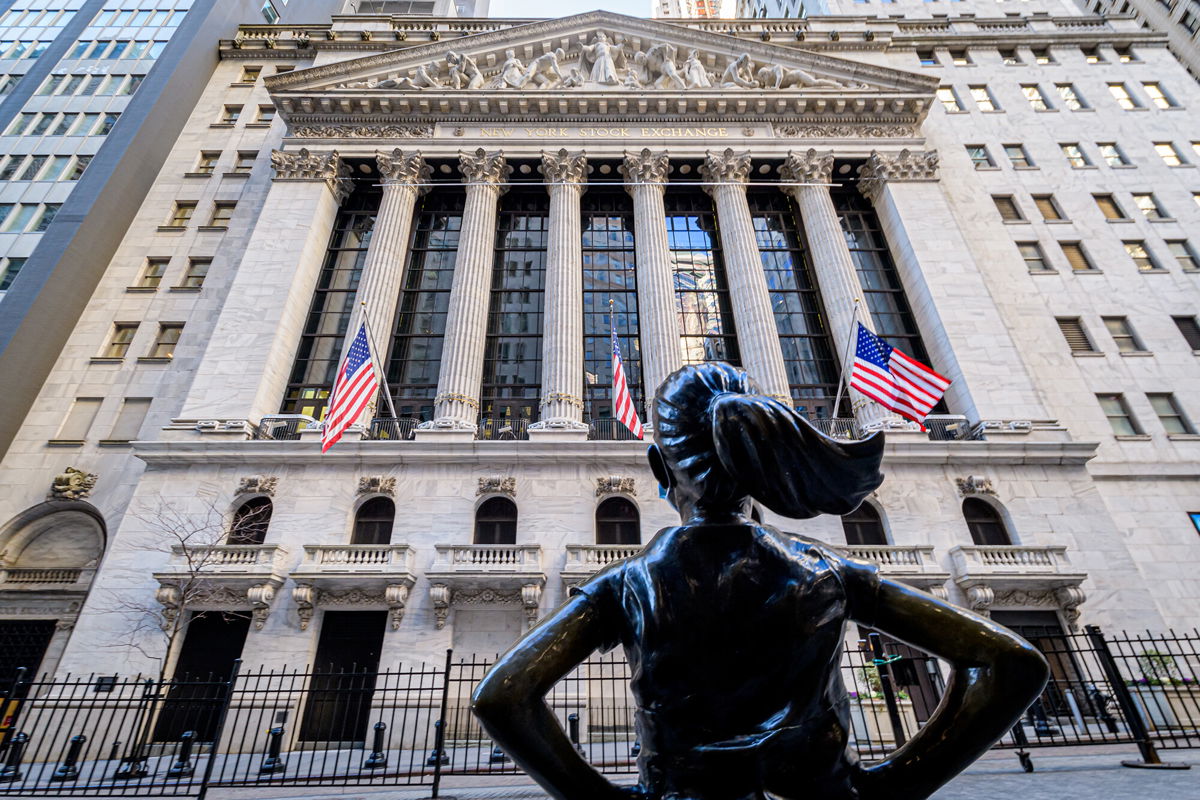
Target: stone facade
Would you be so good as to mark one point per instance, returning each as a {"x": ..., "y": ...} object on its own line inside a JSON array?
[{"x": 1098, "y": 522}]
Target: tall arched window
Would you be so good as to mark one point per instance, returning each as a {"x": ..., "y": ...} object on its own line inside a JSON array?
[
  {"x": 984, "y": 522},
  {"x": 618, "y": 522},
  {"x": 496, "y": 522},
  {"x": 373, "y": 522},
  {"x": 863, "y": 526},
  {"x": 250, "y": 521}
]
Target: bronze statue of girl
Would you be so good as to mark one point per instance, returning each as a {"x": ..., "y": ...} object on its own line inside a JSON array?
[{"x": 734, "y": 630}]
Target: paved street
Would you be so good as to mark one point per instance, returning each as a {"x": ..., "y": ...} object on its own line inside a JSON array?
[{"x": 1077, "y": 774}]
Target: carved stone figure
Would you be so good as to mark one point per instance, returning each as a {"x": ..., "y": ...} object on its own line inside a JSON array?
[
  {"x": 660, "y": 64},
  {"x": 574, "y": 78},
  {"x": 512, "y": 72},
  {"x": 695, "y": 76},
  {"x": 544, "y": 71},
  {"x": 777, "y": 77},
  {"x": 603, "y": 55},
  {"x": 632, "y": 79},
  {"x": 426, "y": 77},
  {"x": 739, "y": 74},
  {"x": 463, "y": 71},
  {"x": 72, "y": 484},
  {"x": 734, "y": 630}
]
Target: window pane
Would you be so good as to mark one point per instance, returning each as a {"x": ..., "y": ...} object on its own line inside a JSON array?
[
  {"x": 79, "y": 419},
  {"x": 129, "y": 421}
]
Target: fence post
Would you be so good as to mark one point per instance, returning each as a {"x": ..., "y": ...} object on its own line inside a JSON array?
[
  {"x": 69, "y": 769},
  {"x": 206, "y": 776},
  {"x": 439, "y": 734},
  {"x": 1129, "y": 709},
  {"x": 11, "y": 771},
  {"x": 884, "y": 670}
]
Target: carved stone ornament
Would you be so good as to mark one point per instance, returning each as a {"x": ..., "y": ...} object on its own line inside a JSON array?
[
  {"x": 377, "y": 484},
  {"x": 564, "y": 167},
  {"x": 171, "y": 599},
  {"x": 482, "y": 167},
  {"x": 303, "y": 165},
  {"x": 725, "y": 167},
  {"x": 843, "y": 131},
  {"x": 72, "y": 484},
  {"x": 363, "y": 131},
  {"x": 809, "y": 167},
  {"x": 305, "y": 598},
  {"x": 407, "y": 168},
  {"x": 489, "y": 596},
  {"x": 615, "y": 484},
  {"x": 880, "y": 169},
  {"x": 258, "y": 484},
  {"x": 531, "y": 600},
  {"x": 395, "y": 595},
  {"x": 974, "y": 484},
  {"x": 440, "y": 595},
  {"x": 645, "y": 167},
  {"x": 497, "y": 484},
  {"x": 980, "y": 598},
  {"x": 260, "y": 597}
]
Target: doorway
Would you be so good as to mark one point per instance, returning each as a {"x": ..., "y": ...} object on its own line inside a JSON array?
[
  {"x": 212, "y": 642},
  {"x": 339, "y": 702}
]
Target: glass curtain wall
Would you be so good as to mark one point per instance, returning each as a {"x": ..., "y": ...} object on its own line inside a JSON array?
[
  {"x": 701, "y": 292},
  {"x": 421, "y": 320},
  {"x": 609, "y": 274}
]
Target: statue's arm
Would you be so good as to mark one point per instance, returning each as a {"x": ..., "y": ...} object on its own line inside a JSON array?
[
  {"x": 994, "y": 676},
  {"x": 509, "y": 701}
]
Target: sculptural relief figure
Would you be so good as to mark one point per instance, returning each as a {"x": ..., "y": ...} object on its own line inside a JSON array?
[
  {"x": 463, "y": 71},
  {"x": 660, "y": 64},
  {"x": 574, "y": 78},
  {"x": 777, "y": 77},
  {"x": 426, "y": 76},
  {"x": 544, "y": 71},
  {"x": 739, "y": 74},
  {"x": 603, "y": 55},
  {"x": 734, "y": 630},
  {"x": 695, "y": 76},
  {"x": 512, "y": 72}
]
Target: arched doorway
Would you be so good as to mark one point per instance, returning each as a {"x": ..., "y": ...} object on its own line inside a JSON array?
[
  {"x": 863, "y": 526},
  {"x": 250, "y": 521},
  {"x": 985, "y": 523},
  {"x": 496, "y": 521},
  {"x": 373, "y": 522},
  {"x": 618, "y": 522}
]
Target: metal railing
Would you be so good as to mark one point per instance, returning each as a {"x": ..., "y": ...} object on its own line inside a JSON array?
[
  {"x": 389, "y": 428},
  {"x": 282, "y": 427},
  {"x": 607, "y": 429},
  {"x": 502, "y": 429},
  {"x": 837, "y": 427}
]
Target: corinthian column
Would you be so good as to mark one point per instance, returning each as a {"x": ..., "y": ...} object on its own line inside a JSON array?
[
  {"x": 758, "y": 338},
  {"x": 405, "y": 177},
  {"x": 562, "y": 327},
  {"x": 658, "y": 325},
  {"x": 836, "y": 276},
  {"x": 456, "y": 406}
]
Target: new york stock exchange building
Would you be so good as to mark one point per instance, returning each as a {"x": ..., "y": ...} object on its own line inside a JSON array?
[{"x": 1007, "y": 197}]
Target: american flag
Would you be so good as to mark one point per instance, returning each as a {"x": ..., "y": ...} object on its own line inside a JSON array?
[
  {"x": 356, "y": 384},
  {"x": 894, "y": 380},
  {"x": 622, "y": 401}
]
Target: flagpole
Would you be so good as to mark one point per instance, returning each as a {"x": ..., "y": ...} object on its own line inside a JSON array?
[
  {"x": 375, "y": 353},
  {"x": 842, "y": 379}
]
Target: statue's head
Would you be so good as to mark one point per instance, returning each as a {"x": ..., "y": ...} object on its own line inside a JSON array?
[
  {"x": 718, "y": 440},
  {"x": 693, "y": 53},
  {"x": 601, "y": 37},
  {"x": 510, "y": 53}
]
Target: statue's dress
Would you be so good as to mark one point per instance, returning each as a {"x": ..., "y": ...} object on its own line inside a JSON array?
[{"x": 734, "y": 640}]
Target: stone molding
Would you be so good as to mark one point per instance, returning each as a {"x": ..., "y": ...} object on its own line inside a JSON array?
[
  {"x": 645, "y": 168},
  {"x": 565, "y": 167},
  {"x": 305, "y": 166},
  {"x": 258, "y": 484},
  {"x": 484, "y": 168},
  {"x": 725, "y": 167},
  {"x": 258, "y": 597},
  {"x": 399, "y": 167},
  {"x": 810, "y": 167},
  {"x": 856, "y": 130},
  {"x": 309, "y": 598},
  {"x": 363, "y": 131},
  {"x": 973, "y": 485},
  {"x": 616, "y": 484},
  {"x": 497, "y": 484},
  {"x": 377, "y": 484},
  {"x": 907, "y": 165}
]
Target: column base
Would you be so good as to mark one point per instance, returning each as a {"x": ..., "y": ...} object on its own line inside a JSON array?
[
  {"x": 552, "y": 431},
  {"x": 446, "y": 429}
]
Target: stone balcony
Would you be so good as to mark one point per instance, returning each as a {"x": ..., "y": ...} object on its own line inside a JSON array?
[
  {"x": 910, "y": 564},
  {"x": 222, "y": 577},
  {"x": 1037, "y": 576},
  {"x": 504, "y": 574},
  {"x": 359, "y": 575},
  {"x": 584, "y": 560}
]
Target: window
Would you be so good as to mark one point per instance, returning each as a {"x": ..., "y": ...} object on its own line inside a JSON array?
[
  {"x": 1184, "y": 254},
  {"x": 152, "y": 273},
  {"x": 1108, "y": 206},
  {"x": 55, "y": 167},
  {"x": 222, "y": 213},
  {"x": 250, "y": 521},
  {"x": 863, "y": 526},
  {"x": 106, "y": 124},
  {"x": 197, "y": 271},
  {"x": 269, "y": 13},
  {"x": 618, "y": 522},
  {"x": 9, "y": 271},
  {"x": 266, "y": 114},
  {"x": 1092, "y": 55},
  {"x": 1048, "y": 207},
  {"x": 1141, "y": 257},
  {"x": 1170, "y": 415},
  {"x": 1075, "y": 334},
  {"x": 1189, "y": 330},
  {"x": 129, "y": 420},
  {"x": 168, "y": 337},
  {"x": 927, "y": 58},
  {"x": 181, "y": 215},
  {"x": 949, "y": 99},
  {"x": 10, "y": 167},
  {"x": 1007, "y": 206},
  {"x": 207, "y": 162},
  {"x": 984, "y": 523},
  {"x": 79, "y": 420},
  {"x": 1149, "y": 206},
  {"x": 983, "y": 98},
  {"x": 230, "y": 114},
  {"x": 19, "y": 221},
  {"x": 48, "y": 212},
  {"x": 32, "y": 167},
  {"x": 1125, "y": 54},
  {"x": 1075, "y": 155},
  {"x": 118, "y": 344},
  {"x": 1037, "y": 99},
  {"x": 1071, "y": 97},
  {"x": 1158, "y": 96},
  {"x": 1122, "y": 96},
  {"x": 20, "y": 124},
  {"x": 1010, "y": 57},
  {"x": 1035, "y": 259},
  {"x": 1076, "y": 256},
  {"x": 960, "y": 58},
  {"x": 980, "y": 156},
  {"x": 81, "y": 164},
  {"x": 244, "y": 162},
  {"x": 1123, "y": 335},
  {"x": 373, "y": 522},
  {"x": 284, "y": 68},
  {"x": 1042, "y": 55},
  {"x": 496, "y": 521},
  {"x": 1170, "y": 156},
  {"x": 1018, "y": 156},
  {"x": 65, "y": 122},
  {"x": 1122, "y": 422},
  {"x": 250, "y": 74}
]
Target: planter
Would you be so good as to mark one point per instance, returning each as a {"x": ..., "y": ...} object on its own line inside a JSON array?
[
  {"x": 870, "y": 723},
  {"x": 1168, "y": 706}
]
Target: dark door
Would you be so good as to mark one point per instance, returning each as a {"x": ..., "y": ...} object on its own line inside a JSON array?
[
  {"x": 339, "y": 702},
  {"x": 1043, "y": 630},
  {"x": 22, "y": 644},
  {"x": 212, "y": 642}
]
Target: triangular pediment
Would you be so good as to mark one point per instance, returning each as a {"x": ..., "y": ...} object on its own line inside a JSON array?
[{"x": 598, "y": 54}]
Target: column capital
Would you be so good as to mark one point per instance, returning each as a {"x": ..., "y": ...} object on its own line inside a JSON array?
[
  {"x": 646, "y": 168},
  {"x": 399, "y": 167},
  {"x": 881, "y": 168},
  {"x": 725, "y": 167},
  {"x": 810, "y": 167},
  {"x": 565, "y": 167},
  {"x": 303, "y": 165},
  {"x": 482, "y": 167}
]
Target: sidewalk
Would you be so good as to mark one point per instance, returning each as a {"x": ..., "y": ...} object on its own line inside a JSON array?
[{"x": 1075, "y": 774}]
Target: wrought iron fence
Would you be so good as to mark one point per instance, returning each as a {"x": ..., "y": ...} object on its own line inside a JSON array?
[
  {"x": 393, "y": 429},
  {"x": 607, "y": 429},
  {"x": 502, "y": 429},
  {"x": 411, "y": 725},
  {"x": 282, "y": 427}
]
